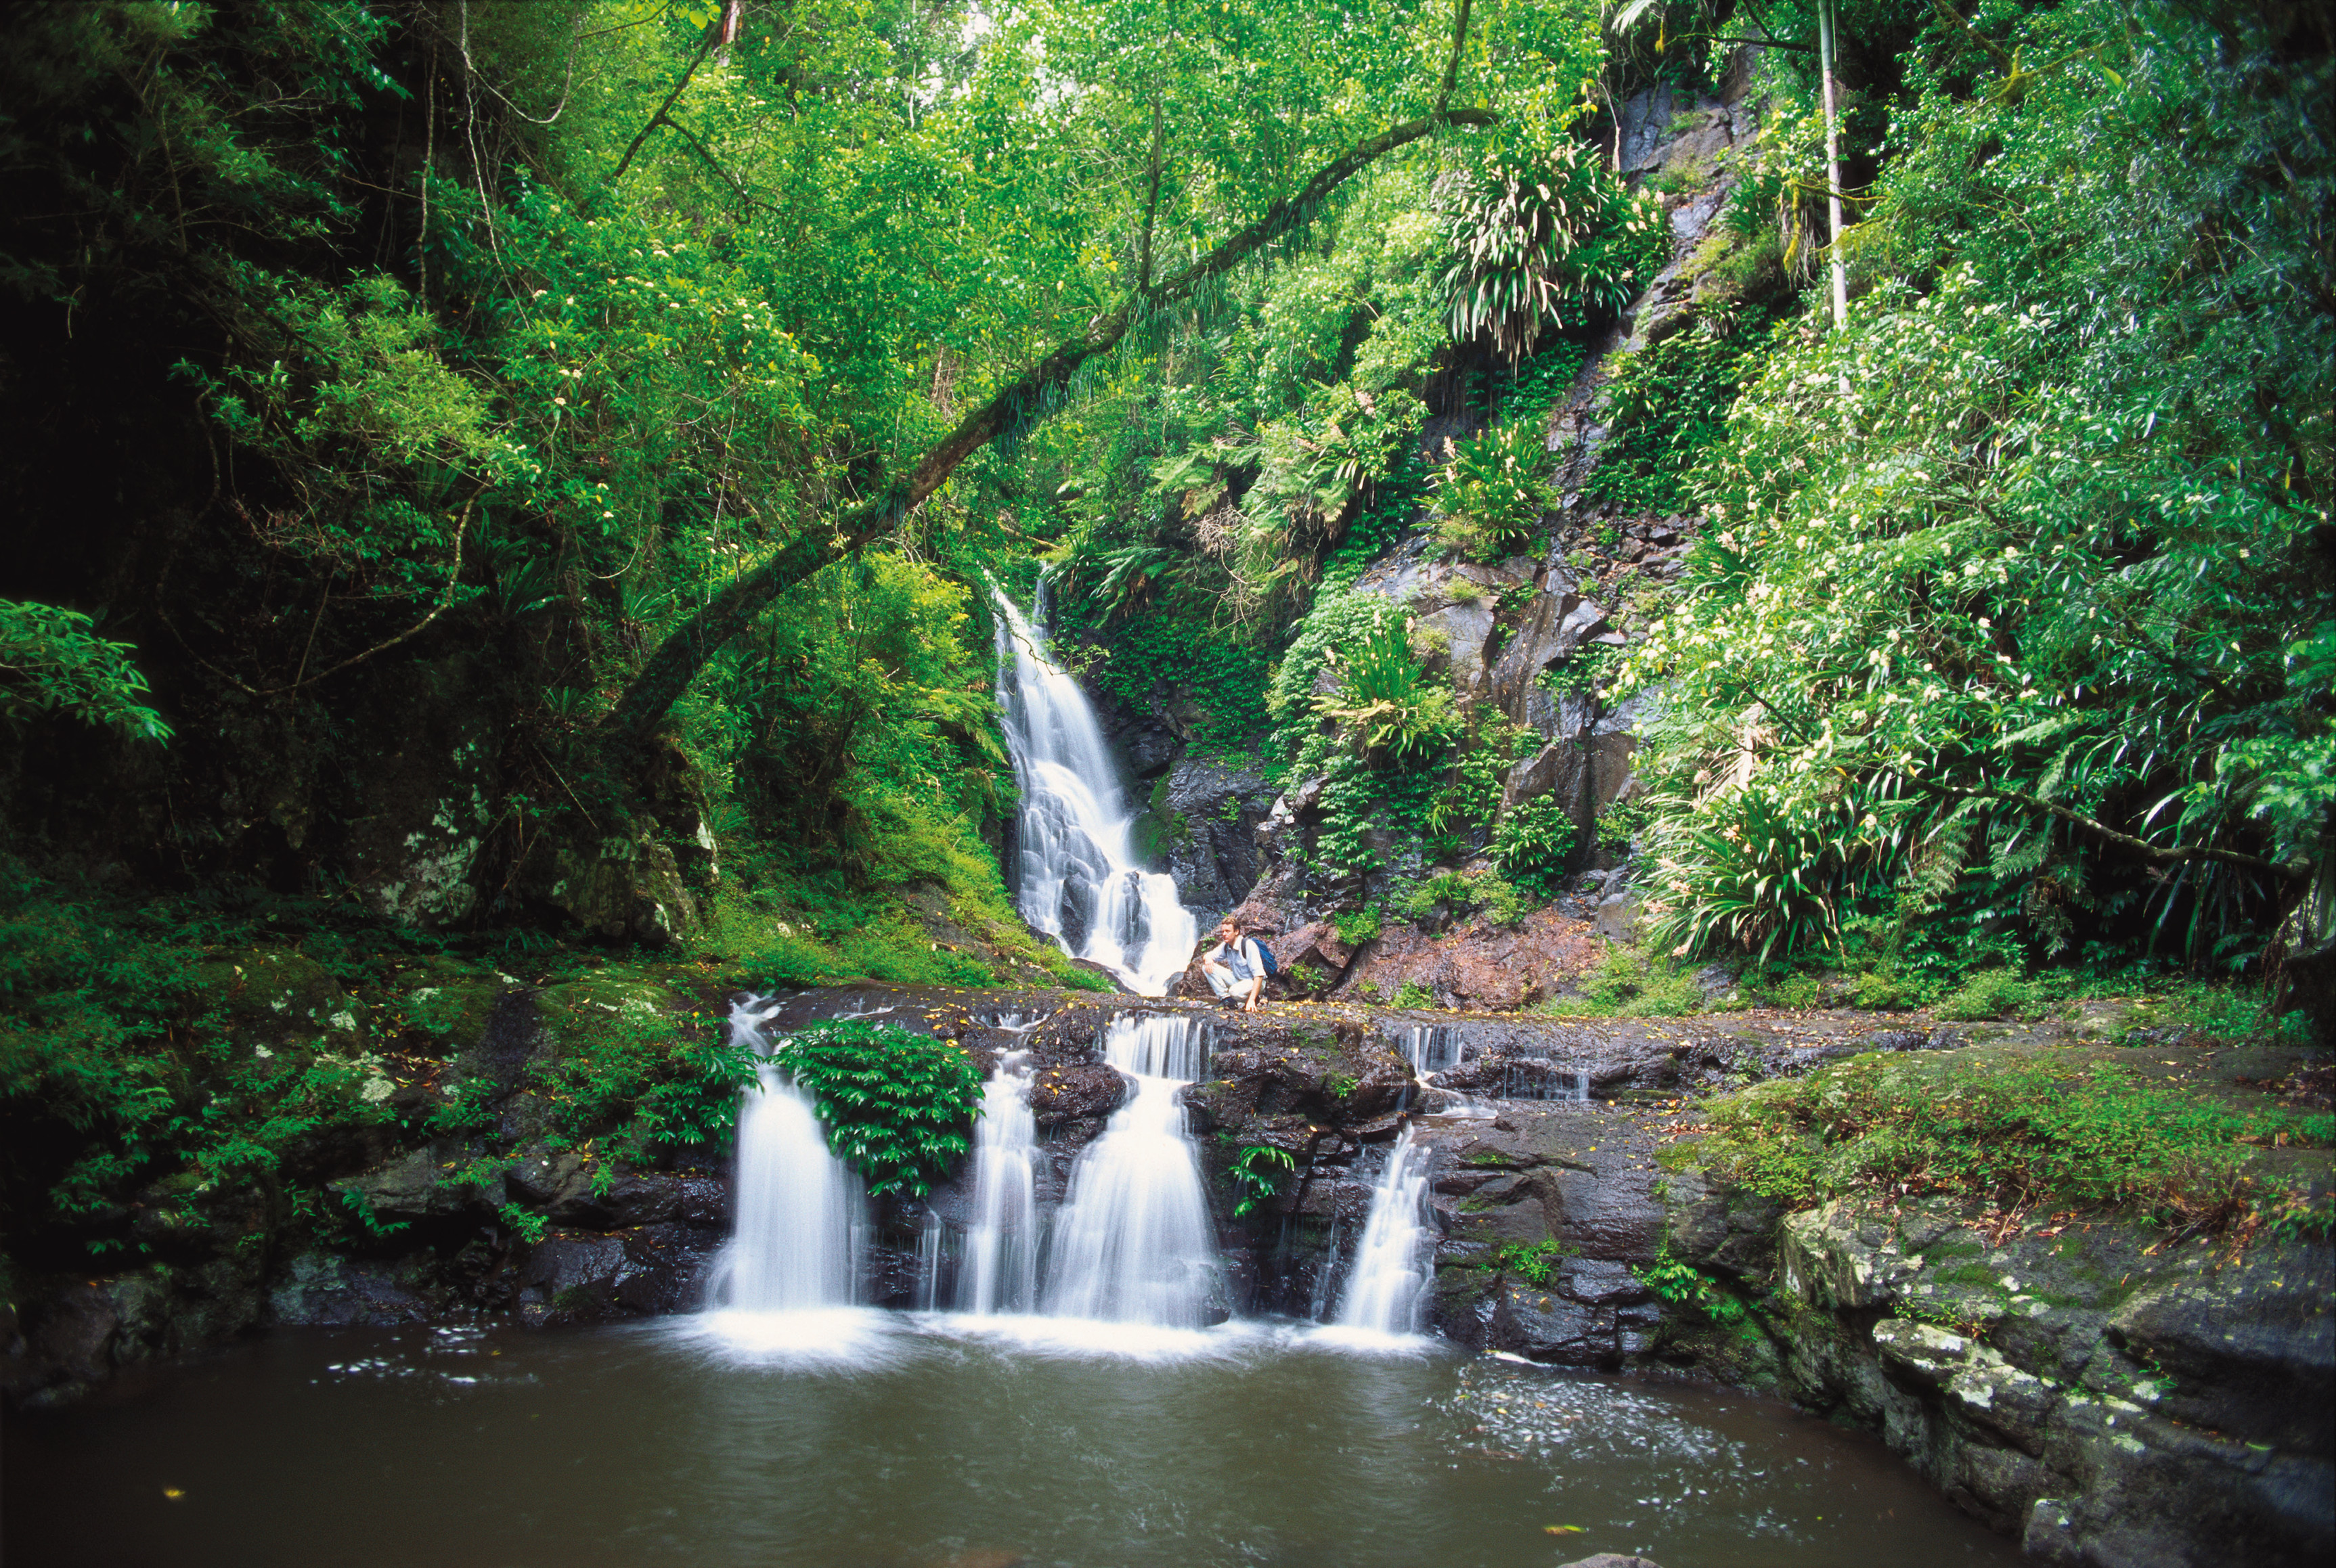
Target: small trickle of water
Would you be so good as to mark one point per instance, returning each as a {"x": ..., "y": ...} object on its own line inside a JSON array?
[
  {"x": 1134, "y": 1242},
  {"x": 1078, "y": 878},
  {"x": 1385, "y": 1287},
  {"x": 1431, "y": 1047},
  {"x": 999, "y": 1271},
  {"x": 931, "y": 1239},
  {"x": 799, "y": 1208},
  {"x": 1539, "y": 1081}
]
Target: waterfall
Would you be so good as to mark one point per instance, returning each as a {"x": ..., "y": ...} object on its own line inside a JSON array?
[
  {"x": 1383, "y": 1290},
  {"x": 799, "y": 1208},
  {"x": 1078, "y": 880},
  {"x": 997, "y": 1269},
  {"x": 1134, "y": 1243}
]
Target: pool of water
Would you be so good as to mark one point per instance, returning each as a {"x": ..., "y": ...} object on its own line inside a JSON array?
[{"x": 859, "y": 1439}]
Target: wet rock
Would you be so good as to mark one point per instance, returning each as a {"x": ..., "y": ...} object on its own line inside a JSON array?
[
  {"x": 1211, "y": 813},
  {"x": 583, "y": 1278},
  {"x": 1611, "y": 1560},
  {"x": 1836, "y": 1257},
  {"x": 323, "y": 1289},
  {"x": 1063, "y": 1094},
  {"x": 276, "y": 999},
  {"x": 424, "y": 795},
  {"x": 1727, "y": 1229},
  {"x": 1316, "y": 943},
  {"x": 410, "y": 1190},
  {"x": 2254, "y": 1356}
]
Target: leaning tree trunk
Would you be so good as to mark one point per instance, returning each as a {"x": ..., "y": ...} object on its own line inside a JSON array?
[{"x": 678, "y": 659}]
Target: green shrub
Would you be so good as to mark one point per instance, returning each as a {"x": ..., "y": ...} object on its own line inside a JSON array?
[
  {"x": 1534, "y": 845},
  {"x": 1990, "y": 993},
  {"x": 52, "y": 660},
  {"x": 1460, "y": 891},
  {"x": 1412, "y": 994},
  {"x": 897, "y": 1103},
  {"x": 1683, "y": 1284},
  {"x": 1536, "y": 1264},
  {"x": 1625, "y": 982},
  {"x": 1491, "y": 497},
  {"x": 1386, "y": 708},
  {"x": 1358, "y": 927},
  {"x": 1543, "y": 239}
]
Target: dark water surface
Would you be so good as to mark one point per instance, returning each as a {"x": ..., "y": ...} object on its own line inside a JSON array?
[{"x": 885, "y": 1442}]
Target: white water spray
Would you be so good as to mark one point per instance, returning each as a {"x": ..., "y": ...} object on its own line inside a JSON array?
[
  {"x": 1390, "y": 1269},
  {"x": 997, "y": 1270},
  {"x": 1134, "y": 1243},
  {"x": 800, "y": 1208},
  {"x": 1078, "y": 880}
]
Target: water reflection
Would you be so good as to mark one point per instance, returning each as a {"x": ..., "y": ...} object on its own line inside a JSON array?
[{"x": 914, "y": 1442}]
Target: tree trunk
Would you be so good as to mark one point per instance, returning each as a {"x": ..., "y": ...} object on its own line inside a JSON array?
[{"x": 1833, "y": 166}]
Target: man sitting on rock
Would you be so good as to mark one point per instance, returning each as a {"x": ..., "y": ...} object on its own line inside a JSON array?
[{"x": 1235, "y": 967}]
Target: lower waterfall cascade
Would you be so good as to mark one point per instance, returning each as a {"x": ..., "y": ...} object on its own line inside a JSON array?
[
  {"x": 1134, "y": 1242},
  {"x": 801, "y": 1211},
  {"x": 998, "y": 1266},
  {"x": 1388, "y": 1278}
]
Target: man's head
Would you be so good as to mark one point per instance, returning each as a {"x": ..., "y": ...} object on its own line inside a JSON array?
[{"x": 1226, "y": 930}]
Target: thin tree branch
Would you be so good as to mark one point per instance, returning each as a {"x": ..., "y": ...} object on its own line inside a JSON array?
[
  {"x": 1150, "y": 205},
  {"x": 453, "y": 577},
  {"x": 1452, "y": 61},
  {"x": 705, "y": 47}
]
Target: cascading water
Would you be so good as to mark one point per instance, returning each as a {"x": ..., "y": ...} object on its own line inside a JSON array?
[
  {"x": 800, "y": 1208},
  {"x": 1389, "y": 1273},
  {"x": 997, "y": 1268},
  {"x": 1078, "y": 880},
  {"x": 1134, "y": 1243}
]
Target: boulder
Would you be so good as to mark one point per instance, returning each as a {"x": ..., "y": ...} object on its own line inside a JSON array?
[{"x": 621, "y": 888}]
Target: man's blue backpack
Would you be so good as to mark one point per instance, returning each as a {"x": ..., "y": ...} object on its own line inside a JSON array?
[{"x": 1265, "y": 956}]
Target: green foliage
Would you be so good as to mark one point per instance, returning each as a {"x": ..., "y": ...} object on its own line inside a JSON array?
[
  {"x": 1990, "y": 993},
  {"x": 1492, "y": 496},
  {"x": 1683, "y": 1284},
  {"x": 635, "y": 1080},
  {"x": 1994, "y": 564},
  {"x": 118, "y": 1067},
  {"x": 1667, "y": 405},
  {"x": 52, "y": 661},
  {"x": 1358, "y": 926},
  {"x": 1626, "y": 983},
  {"x": 1534, "y": 845},
  {"x": 1157, "y": 659},
  {"x": 1539, "y": 239},
  {"x": 525, "y": 1223},
  {"x": 1456, "y": 891},
  {"x": 1412, "y": 994},
  {"x": 897, "y": 1103},
  {"x": 1536, "y": 1264},
  {"x": 2016, "y": 1133},
  {"x": 1384, "y": 706},
  {"x": 1541, "y": 383},
  {"x": 1256, "y": 1173}
]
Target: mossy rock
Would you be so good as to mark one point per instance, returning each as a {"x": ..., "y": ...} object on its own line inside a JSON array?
[
  {"x": 276, "y": 996},
  {"x": 580, "y": 1014}
]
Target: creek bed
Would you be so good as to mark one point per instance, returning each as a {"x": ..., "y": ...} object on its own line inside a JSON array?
[{"x": 872, "y": 1440}]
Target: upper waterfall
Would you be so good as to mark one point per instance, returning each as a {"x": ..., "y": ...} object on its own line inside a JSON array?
[{"x": 1077, "y": 880}]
